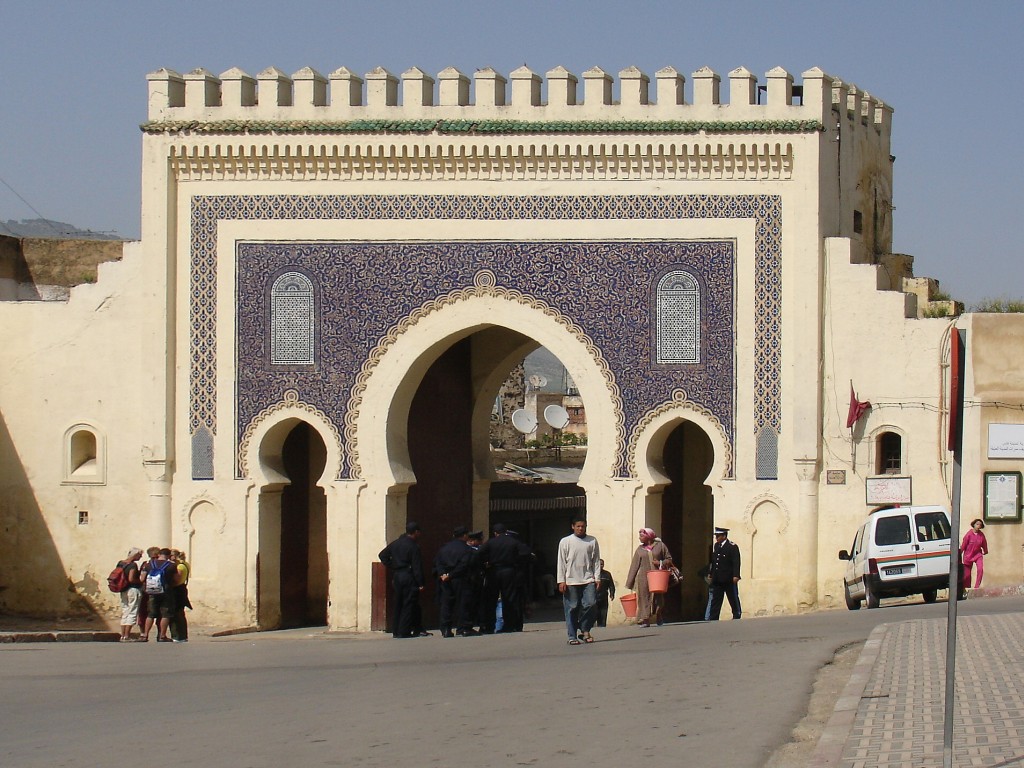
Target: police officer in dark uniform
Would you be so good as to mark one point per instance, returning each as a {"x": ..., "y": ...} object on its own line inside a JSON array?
[
  {"x": 475, "y": 582},
  {"x": 724, "y": 571},
  {"x": 402, "y": 557},
  {"x": 451, "y": 567},
  {"x": 502, "y": 555}
]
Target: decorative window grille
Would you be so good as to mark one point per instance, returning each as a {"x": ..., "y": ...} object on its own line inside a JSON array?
[
  {"x": 292, "y": 316},
  {"x": 202, "y": 454},
  {"x": 678, "y": 319},
  {"x": 766, "y": 461}
]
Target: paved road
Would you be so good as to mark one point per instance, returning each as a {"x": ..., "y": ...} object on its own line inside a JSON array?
[{"x": 725, "y": 694}]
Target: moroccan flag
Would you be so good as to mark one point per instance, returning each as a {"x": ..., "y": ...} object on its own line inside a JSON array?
[{"x": 857, "y": 408}]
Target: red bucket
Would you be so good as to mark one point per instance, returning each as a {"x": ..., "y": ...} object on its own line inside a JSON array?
[
  {"x": 629, "y": 605},
  {"x": 657, "y": 581}
]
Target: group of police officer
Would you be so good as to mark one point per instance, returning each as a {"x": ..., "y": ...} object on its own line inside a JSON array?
[{"x": 472, "y": 577}]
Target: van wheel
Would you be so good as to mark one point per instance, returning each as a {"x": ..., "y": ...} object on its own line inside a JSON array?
[
  {"x": 853, "y": 605},
  {"x": 930, "y": 595},
  {"x": 870, "y": 597}
]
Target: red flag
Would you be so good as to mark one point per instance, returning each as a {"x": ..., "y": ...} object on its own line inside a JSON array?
[{"x": 857, "y": 408}]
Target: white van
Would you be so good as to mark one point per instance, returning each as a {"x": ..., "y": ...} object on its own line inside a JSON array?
[{"x": 899, "y": 551}]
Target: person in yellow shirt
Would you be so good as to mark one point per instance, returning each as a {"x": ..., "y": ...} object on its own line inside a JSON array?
[{"x": 179, "y": 624}]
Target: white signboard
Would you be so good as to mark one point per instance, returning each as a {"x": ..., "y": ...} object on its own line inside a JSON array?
[
  {"x": 1006, "y": 441},
  {"x": 887, "y": 489}
]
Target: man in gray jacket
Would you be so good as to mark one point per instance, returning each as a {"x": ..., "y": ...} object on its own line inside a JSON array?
[{"x": 579, "y": 571}]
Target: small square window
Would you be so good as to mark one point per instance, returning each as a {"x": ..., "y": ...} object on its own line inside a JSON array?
[{"x": 83, "y": 517}]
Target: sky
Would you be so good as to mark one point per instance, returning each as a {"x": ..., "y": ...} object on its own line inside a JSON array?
[{"x": 73, "y": 89}]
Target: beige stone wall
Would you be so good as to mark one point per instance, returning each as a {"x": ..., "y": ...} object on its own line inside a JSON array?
[
  {"x": 899, "y": 363},
  {"x": 71, "y": 366},
  {"x": 994, "y": 395}
]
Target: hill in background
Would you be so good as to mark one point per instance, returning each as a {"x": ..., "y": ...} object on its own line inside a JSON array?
[{"x": 52, "y": 229}]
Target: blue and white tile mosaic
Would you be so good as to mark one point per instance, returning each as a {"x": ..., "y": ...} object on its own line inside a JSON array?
[{"x": 606, "y": 288}]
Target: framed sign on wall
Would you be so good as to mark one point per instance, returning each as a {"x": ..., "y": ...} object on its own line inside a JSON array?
[{"x": 1002, "y": 496}]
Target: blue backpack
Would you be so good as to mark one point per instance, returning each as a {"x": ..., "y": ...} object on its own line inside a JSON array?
[{"x": 155, "y": 579}]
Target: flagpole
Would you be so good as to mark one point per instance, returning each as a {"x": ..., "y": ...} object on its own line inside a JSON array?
[
  {"x": 957, "y": 379},
  {"x": 853, "y": 443}
]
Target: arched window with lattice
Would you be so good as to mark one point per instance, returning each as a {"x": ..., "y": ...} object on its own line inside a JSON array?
[
  {"x": 678, "y": 319},
  {"x": 292, "y": 320}
]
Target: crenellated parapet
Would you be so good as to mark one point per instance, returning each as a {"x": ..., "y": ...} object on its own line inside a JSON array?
[{"x": 489, "y": 102}]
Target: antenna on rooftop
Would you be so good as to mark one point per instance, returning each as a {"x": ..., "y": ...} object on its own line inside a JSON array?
[
  {"x": 556, "y": 416},
  {"x": 524, "y": 421}
]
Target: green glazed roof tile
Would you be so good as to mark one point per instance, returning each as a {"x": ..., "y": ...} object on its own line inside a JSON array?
[{"x": 481, "y": 127}]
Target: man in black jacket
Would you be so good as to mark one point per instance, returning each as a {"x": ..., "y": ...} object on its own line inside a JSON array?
[
  {"x": 402, "y": 557},
  {"x": 451, "y": 567},
  {"x": 724, "y": 570},
  {"x": 502, "y": 554}
]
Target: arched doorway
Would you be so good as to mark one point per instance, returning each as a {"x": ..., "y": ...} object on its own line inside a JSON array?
[
  {"x": 687, "y": 515},
  {"x": 293, "y": 576},
  {"x": 451, "y": 455},
  {"x": 430, "y": 459}
]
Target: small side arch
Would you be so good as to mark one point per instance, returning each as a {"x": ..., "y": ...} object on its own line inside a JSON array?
[
  {"x": 260, "y": 454},
  {"x": 85, "y": 455},
  {"x": 203, "y": 521},
  {"x": 647, "y": 443}
]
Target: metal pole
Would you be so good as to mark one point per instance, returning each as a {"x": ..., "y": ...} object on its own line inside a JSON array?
[{"x": 956, "y": 438}]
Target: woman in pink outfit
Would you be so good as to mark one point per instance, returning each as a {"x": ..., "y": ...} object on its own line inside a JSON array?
[{"x": 972, "y": 549}]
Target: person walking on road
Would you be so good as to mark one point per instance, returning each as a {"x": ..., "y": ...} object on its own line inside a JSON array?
[
  {"x": 403, "y": 558},
  {"x": 724, "y": 570},
  {"x": 651, "y": 554},
  {"x": 578, "y": 573},
  {"x": 972, "y": 550}
]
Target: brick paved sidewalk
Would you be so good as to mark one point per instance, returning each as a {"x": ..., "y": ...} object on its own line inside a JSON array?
[{"x": 891, "y": 712}]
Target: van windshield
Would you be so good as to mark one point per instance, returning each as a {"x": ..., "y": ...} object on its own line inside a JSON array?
[
  {"x": 892, "y": 530},
  {"x": 931, "y": 526}
]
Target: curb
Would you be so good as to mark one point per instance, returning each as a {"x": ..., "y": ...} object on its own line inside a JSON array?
[
  {"x": 829, "y": 751},
  {"x": 69, "y": 636}
]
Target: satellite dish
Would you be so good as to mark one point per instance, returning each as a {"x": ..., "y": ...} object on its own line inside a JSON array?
[
  {"x": 538, "y": 381},
  {"x": 556, "y": 416},
  {"x": 524, "y": 421}
]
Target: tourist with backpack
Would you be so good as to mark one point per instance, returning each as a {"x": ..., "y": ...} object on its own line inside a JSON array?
[
  {"x": 158, "y": 578},
  {"x": 124, "y": 580}
]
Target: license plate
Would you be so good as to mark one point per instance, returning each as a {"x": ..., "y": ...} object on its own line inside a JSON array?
[{"x": 896, "y": 571}]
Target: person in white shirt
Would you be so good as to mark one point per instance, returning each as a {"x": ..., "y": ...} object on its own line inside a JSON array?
[{"x": 579, "y": 571}]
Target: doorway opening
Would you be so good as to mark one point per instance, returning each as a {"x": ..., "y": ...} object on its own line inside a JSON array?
[
  {"x": 303, "y": 549},
  {"x": 477, "y": 381},
  {"x": 687, "y": 516}
]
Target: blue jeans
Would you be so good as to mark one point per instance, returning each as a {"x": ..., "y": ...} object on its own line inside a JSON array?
[{"x": 579, "y": 601}]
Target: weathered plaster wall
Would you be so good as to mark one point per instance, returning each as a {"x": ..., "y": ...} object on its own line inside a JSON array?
[{"x": 64, "y": 364}]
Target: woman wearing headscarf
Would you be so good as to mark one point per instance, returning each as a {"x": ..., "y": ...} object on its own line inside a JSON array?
[
  {"x": 973, "y": 549},
  {"x": 651, "y": 554}
]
